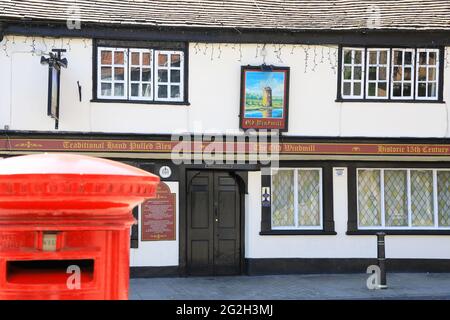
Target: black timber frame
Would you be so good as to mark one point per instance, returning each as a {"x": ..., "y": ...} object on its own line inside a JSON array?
[
  {"x": 441, "y": 70},
  {"x": 230, "y": 35},
  {"x": 327, "y": 201}
]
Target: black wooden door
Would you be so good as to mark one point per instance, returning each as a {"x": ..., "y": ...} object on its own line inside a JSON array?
[{"x": 213, "y": 224}]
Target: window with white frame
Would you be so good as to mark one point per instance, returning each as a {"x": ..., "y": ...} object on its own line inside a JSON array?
[
  {"x": 141, "y": 66},
  {"x": 403, "y": 198},
  {"x": 390, "y": 74},
  {"x": 297, "y": 198},
  {"x": 352, "y": 73},
  {"x": 378, "y": 66},
  {"x": 140, "y": 74},
  {"x": 427, "y": 73},
  {"x": 402, "y": 73},
  {"x": 112, "y": 73},
  {"x": 169, "y": 75}
]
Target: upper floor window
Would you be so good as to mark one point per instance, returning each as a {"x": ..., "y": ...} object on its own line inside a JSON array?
[
  {"x": 390, "y": 74},
  {"x": 139, "y": 74}
]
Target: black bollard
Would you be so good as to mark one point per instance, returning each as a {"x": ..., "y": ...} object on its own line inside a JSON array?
[{"x": 381, "y": 259}]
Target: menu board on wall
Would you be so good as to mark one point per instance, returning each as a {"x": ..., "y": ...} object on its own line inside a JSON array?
[{"x": 159, "y": 215}]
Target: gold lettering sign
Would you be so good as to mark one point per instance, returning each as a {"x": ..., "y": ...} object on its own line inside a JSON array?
[{"x": 49, "y": 242}]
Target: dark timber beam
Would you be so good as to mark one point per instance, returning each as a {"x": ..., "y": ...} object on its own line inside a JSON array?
[{"x": 227, "y": 35}]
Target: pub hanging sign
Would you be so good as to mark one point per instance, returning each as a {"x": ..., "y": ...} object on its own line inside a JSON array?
[
  {"x": 55, "y": 63},
  {"x": 264, "y": 97}
]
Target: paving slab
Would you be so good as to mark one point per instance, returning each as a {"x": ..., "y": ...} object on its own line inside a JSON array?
[{"x": 291, "y": 287}]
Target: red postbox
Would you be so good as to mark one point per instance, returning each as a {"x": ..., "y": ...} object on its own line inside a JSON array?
[{"x": 65, "y": 226}]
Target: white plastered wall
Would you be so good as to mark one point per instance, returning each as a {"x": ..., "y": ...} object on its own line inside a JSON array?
[
  {"x": 214, "y": 95},
  {"x": 337, "y": 246},
  {"x": 158, "y": 253}
]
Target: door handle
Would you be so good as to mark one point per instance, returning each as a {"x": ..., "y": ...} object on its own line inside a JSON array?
[{"x": 216, "y": 212}]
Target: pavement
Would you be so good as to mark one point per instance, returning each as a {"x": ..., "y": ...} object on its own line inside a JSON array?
[{"x": 429, "y": 286}]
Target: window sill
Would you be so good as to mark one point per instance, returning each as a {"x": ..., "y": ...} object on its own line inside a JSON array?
[
  {"x": 297, "y": 232},
  {"x": 400, "y": 232},
  {"x": 178, "y": 103},
  {"x": 390, "y": 101}
]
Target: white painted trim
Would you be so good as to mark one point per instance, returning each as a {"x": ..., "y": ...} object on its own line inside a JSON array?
[
  {"x": 140, "y": 82},
  {"x": 377, "y": 65},
  {"x": 353, "y": 65},
  {"x": 169, "y": 83},
  {"x": 427, "y": 65},
  {"x": 413, "y": 68},
  {"x": 112, "y": 66},
  {"x": 435, "y": 200}
]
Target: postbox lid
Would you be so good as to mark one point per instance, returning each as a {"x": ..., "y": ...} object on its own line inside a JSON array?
[
  {"x": 62, "y": 163},
  {"x": 71, "y": 183}
]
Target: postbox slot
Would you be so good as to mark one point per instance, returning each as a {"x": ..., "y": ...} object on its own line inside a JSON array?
[{"x": 35, "y": 272}]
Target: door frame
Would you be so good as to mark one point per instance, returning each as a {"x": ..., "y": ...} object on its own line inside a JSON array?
[{"x": 240, "y": 174}]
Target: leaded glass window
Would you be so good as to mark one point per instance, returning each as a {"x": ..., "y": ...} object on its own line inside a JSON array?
[
  {"x": 403, "y": 198},
  {"x": 296, "y": 198},
  {"x": 443, "y": 193},
  {"x": 422, "y": 198},
  {"x": 283, "y": 198},
  {"x": 369, "y": 197},
  {"x": 396, "y": 198},
  {"x": 308, "y": 197}
]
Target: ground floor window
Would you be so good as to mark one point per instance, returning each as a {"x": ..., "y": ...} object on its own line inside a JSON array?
[
  {"x": 296, "y": 198},
  {"x": 403, "y": 198}
]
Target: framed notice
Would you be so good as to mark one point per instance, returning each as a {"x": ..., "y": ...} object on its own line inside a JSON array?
[
  {"x": 264, "y": 97},
  {"x": 158, "y": 216}
]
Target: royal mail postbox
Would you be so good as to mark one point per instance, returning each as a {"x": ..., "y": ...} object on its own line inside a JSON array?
[{"x": 65, "y": 226}]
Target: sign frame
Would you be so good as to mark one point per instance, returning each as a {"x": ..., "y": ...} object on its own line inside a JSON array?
[{"x": 280, "y": 124}]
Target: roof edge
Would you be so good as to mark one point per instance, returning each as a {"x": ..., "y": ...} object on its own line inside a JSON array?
[{"x": 431, "y": 37}]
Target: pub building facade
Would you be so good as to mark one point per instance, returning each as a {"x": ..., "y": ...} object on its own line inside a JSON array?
[{"x": 350, "y": 97}]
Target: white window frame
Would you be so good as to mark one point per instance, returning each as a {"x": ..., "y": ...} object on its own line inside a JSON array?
[
  {"x": 427, "y": 66},
  {"x": 168, "y": 68},
  {"x": 113, "y": 66},
  {"x": 403, "y": 66},
  {"x": 296, "y": 226},
  {"x": 390, "y": 81},
  {"x": 352, "y": 65},
  {"x": 154, "y": 75},
  {"x": 377, "y": 65},
  {"x": 408, "y": 194},
  {"x": 141, "y": 66}
]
